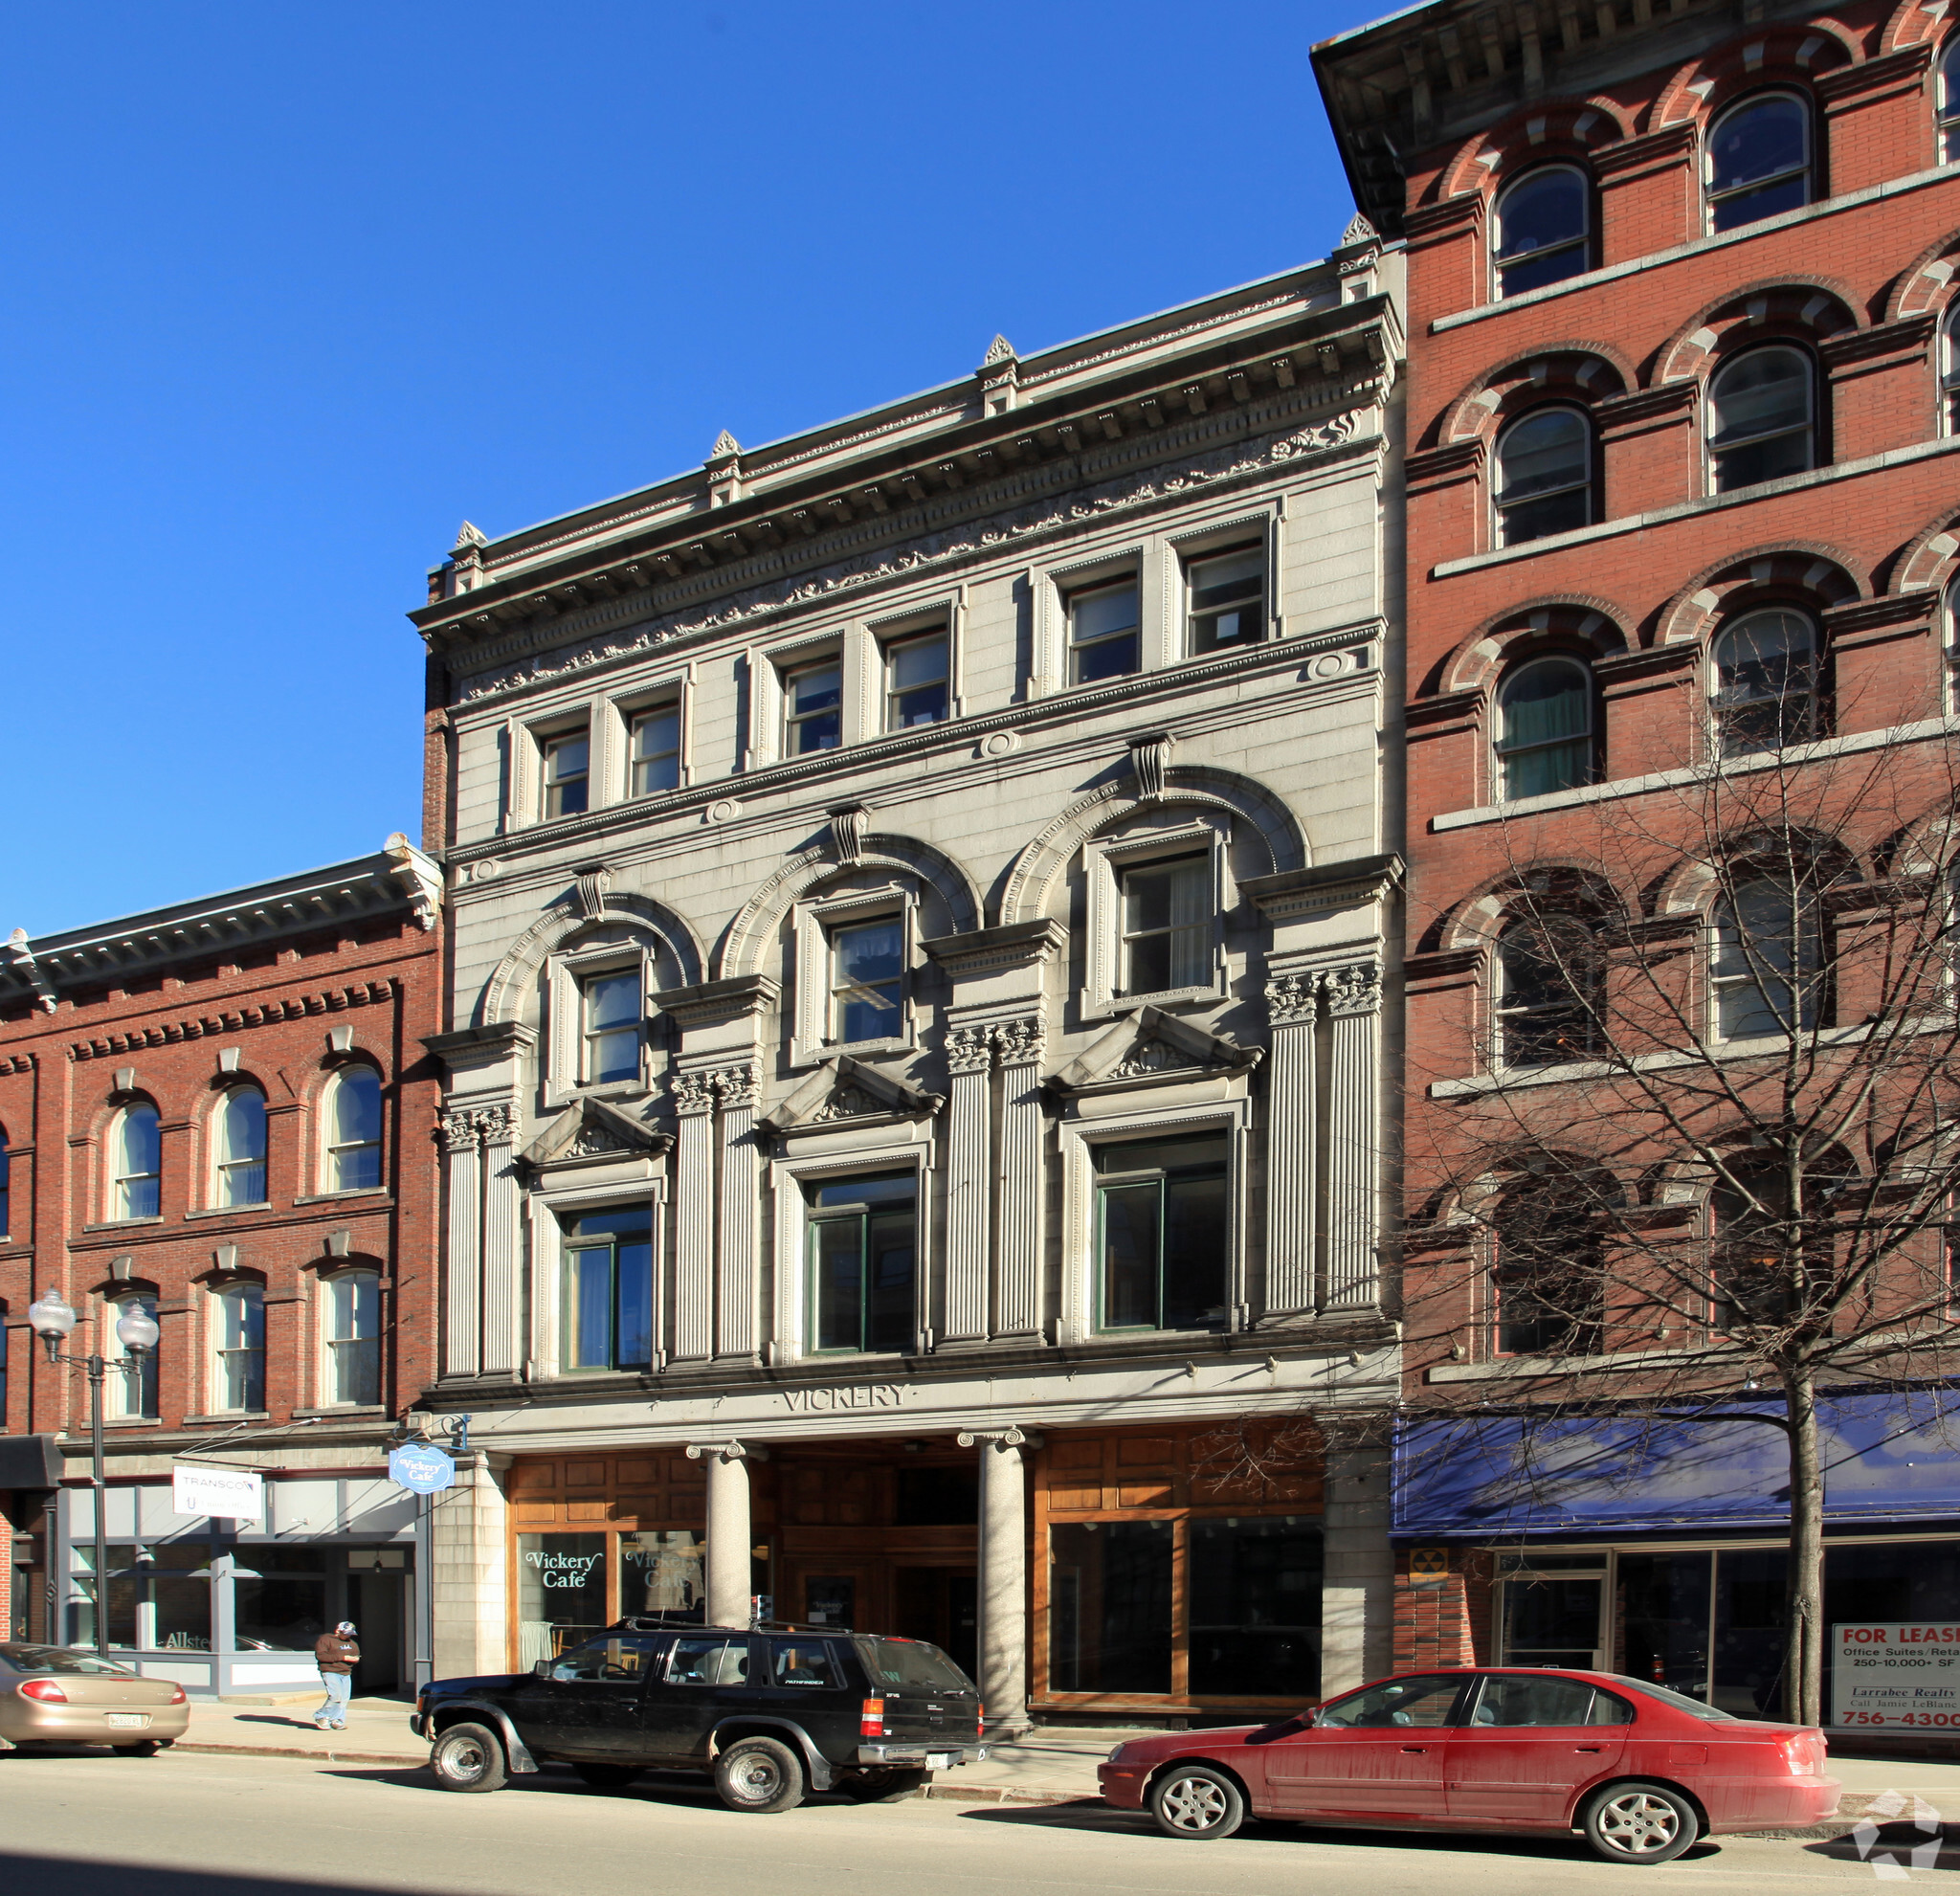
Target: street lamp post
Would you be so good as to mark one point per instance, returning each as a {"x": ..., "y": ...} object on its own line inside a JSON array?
[{"x": 53, "y": 1320}]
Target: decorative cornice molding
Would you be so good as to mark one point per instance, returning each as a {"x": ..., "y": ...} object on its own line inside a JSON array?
[
  {"x": 261, "y": 1014},
  {"x": 17, "y": 951},
  {"x": 989, "y": 951}
]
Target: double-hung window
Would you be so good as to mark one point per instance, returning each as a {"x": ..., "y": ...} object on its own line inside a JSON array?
[
  {"x": 868, "y": 980},
  {"x": 1759, "y": 160},
  {"x": 1544, "y": 729},
  {"x": 654, "y": 747},
  {"x": 135, "y": 1154},
  {"x": 1950, "y": 103},
  {"x": 1761, "y": 419},
  {"x": 608, "y": 1290},
  {"x": 1543, "y": 476},
  {"x": 1105, "y": 633},
  {"x": 1950, "y": 363},
  {"x": 1543, "y": 229},
  {"x": 1167, "y": 925},
  {"x": 132, "y": 1389},
  {"x": 1162, "y": 1218},
  {"x": 917, "y": 678},
  {"x": 238, "y": 1349},
  {"x": 1768, "y": 972},
  {"x": 611, "y": 1027},
  {"x": 1228, "y": 600},
  {"x": 353, "y": 1338},
  {"x": 353, "y": 1131},
  {"x": 814, "y": 708},
  {"x": 863, "y": 1262},
  {"x": 241, "y": 1147},
  {"x": 1766, "y": 683},
  {"x": 568, "y": 774}
]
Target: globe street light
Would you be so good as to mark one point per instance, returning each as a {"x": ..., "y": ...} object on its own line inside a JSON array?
[{"x": 51, "y": 1318}]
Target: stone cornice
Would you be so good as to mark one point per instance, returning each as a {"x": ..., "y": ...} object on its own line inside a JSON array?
[
  {"x": 707, "y": 1002},
  {"x": 471, "y": 1046},
  {"x": 1296, "y": 892},
  {"x": 233, "y": 1020},
  {"x": 985, "y": 950}
]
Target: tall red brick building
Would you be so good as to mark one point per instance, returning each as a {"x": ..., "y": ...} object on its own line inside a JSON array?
[
  {"x": 220, "y": 1114},
  {"x": 1683, "y": 497}
]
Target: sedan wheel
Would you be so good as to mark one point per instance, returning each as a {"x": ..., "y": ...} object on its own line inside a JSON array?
[
  {"x": 1196, "y": 1800},
  {"x": 1640, "y": 1823}
]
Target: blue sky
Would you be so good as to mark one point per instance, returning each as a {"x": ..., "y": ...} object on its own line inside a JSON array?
[{"x": 288, "y": 292}]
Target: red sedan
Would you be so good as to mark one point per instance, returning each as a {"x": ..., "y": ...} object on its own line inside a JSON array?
[{"x": 1641, "y": 1770}]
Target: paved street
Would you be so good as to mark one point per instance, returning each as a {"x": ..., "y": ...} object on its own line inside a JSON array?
[{"x": 217, "y": 1826}]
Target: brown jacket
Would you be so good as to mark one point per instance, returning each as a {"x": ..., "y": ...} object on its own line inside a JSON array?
[{"x": 334, "y": 1653}]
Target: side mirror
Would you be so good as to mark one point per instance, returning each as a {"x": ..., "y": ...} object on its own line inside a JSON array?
[
  {"x": 542, "y": 1668},
  {"x": 1307, "y": 1719}
]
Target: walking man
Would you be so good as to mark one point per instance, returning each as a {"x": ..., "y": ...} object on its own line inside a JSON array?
[{"x": 337, "y": 1654}]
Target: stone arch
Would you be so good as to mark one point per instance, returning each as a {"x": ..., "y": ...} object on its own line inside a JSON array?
[
  {"x": 1926, "y": 282},
  {"x": 756, "y": 922},
  {"x": 1690, "y": 887},
  {"x": 1912, "y": 23},
  {"x": 1538, "y": 134},
  {"x": 1760, "y": 57},
  {"x": 1825, "y": 574},
  {"x": 567, "y": 917},
  {"x": 1813, "y": 307},
  {"x": 1932, "y": 557},
  {"x": 1591, "y": 623},
  {"x": 1579, "y": 372},
  {"x": 1474, "y": 923},
  {"x": 1025, "y": 893}
]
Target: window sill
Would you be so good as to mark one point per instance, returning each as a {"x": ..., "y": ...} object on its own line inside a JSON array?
[
  {"x": 231, "y": 1211},
  {"x": 334, "y": 1197},
  {"x": 1614, "y": 273},
  {"x": 1659, "y": 780},
  {"x": 123, "y": 1224},
  {"x": 124, "y": 1422},
  {"x": 564, "y": 1094},
  {"x": 1767, "y": 490},
  {"x": 1711, "y": 1052},
  {"x": 1173, "y": 1000},
  {"x": 347, "y": 1411},
  {"x": 232, "y": 1417},
  {"x": 1526, "y": 1369}
]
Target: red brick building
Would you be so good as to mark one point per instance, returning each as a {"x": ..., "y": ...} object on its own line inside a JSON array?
[
  {"x": 220, "y": 1113},
  {"x": 1683, "y": 483}
]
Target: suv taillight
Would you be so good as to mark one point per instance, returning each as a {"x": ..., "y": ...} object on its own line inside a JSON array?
[
  {"x": 45, "y": 1689},
  {"x": 871, "y": 1721}
]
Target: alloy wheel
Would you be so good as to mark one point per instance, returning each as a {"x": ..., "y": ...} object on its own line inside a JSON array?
[
  {"x": 1194, "y": 1803},
  {"x": 757, "y": 1777},
  {"x": 1639, "y": 1824}
]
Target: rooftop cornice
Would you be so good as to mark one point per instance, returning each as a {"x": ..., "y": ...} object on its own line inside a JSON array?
[
  {"x": 1429, "y": 76},
  {"x": 398, "y": 876},
  {"x": 772, "y": 502}
]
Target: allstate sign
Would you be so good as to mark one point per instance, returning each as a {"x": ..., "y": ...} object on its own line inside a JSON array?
[{"x": 421, "y": 1467}]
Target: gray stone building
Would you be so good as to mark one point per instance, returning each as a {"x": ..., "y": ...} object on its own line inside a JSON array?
[{"x": 921, "y": 899}]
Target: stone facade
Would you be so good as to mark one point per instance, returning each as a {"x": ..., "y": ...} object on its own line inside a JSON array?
[{"x": 748, "y": 920}]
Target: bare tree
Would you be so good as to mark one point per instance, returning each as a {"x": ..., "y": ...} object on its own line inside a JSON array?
[{"x": 1692, "y": 1149}]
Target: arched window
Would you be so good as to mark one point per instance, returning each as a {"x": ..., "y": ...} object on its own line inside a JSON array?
[
  {"x": 1549, "y": 991},
  {"x": 239, "y": 1147},
  {"x": 1767, "y": 967},
  {"x": 136, "y": 1164},
  {"x": 238, "y": 1349},
  {"x": 1549, "y": 1283},
  {"x": 1949, "y": 366},
  {"x": 1765, "y": 689},
  {"x": 1544, "y": 482},
  {"x": 1543, "y": 230},
  {"x": 1544, "y": 729},
  {"x": 353, "y": 1338},
  {"x": 5, "y": 1168},
  {"x": 130, "y": 1392},
  {"x": 1757, "y": 1251},
  {"x": 353, "y": 1131},
  {"x": 1759, "y": 160},
  {"x": 1950, "y": 103},
  {"x": 1761, "y": 422}
]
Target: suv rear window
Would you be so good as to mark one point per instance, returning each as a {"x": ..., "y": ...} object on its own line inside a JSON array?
[{"x": 911, "y": 1662}]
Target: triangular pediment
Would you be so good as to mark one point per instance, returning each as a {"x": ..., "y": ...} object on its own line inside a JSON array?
[
  {"x": 594, "y": 1130},
  {"x": 1148, "y": 1047},
  {"x": 841, "y": 1088}
]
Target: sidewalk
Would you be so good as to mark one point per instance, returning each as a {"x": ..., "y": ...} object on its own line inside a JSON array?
[{"x": 1048, "y": 1765}]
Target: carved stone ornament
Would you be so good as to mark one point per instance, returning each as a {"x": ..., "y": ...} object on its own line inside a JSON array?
[
  {"x": 1355, "y": 989},
  {"x": 726, "y": 444},
  {"x": 1291, "y": 997},
  {"x": 694, "y": 1092},
  {"x": 592, "y": 1140},
  {"x": 589, "y": 890},
  {"x": 418, "y": 876},
  {"x": 849, "y": 823},
  {"x": 970, "y": 1049},
  {"x": 1020, "y": 1040},
  {"x": 459, "y": 1130},
  {"x": 467, "y": 535},
  {"x": 999, "y": 349},
  {"x": 497, "y": 1123},
  {"x": 1149, "y": 762},
  {"x": 847, "y": 1103},
  {"x": 1359, "y": 231},
  {"x": 1151, "y": 1057},
  {"x": 737, "y": 1086}
]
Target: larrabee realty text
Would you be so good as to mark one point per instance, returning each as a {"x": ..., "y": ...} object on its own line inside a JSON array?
[{"x": 1899, "y": 1674}]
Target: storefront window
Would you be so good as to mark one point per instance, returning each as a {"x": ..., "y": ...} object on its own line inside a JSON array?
[
  {"x": 1663, "y": 1600},
  {"x": 1550, "y": 1620},
  {"x": 1750, "y": 1638},
  {"x": 1109, "y": 1607},
  {"x": 155, "y": 1604},
  {"x": 562, "y": 1588},
  {"x": 282, "y": 1607},
  {"x": 662, "y": 1570},
  {"x": 1254, "y": 1608}
]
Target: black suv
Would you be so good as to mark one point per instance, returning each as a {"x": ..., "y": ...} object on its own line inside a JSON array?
[{"x": 770, "y": 1712}]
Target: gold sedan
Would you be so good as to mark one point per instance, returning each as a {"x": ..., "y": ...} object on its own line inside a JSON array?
[{"x": 56, "y": 1695}]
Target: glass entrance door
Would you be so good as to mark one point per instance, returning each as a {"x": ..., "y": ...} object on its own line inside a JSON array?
[{"x": 1554, "y": 1619}]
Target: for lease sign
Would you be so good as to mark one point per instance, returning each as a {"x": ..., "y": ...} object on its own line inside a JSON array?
[{"x": 1901, "y": 1674}]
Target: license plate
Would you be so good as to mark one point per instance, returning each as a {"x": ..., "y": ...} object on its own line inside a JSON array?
[
  {"x": 939, "y": 1760},
  {"x": 126, "y": 1718}
]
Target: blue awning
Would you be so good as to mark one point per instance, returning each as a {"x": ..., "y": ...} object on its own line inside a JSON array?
[{"x": 1891, "y": 1458}]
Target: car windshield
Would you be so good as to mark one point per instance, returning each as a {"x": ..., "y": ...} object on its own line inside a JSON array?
[
  {"x": 58, "y": 1659},
  {"x": 1679, "y": 1701},
  {"x": 911, "y": 1662}
]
